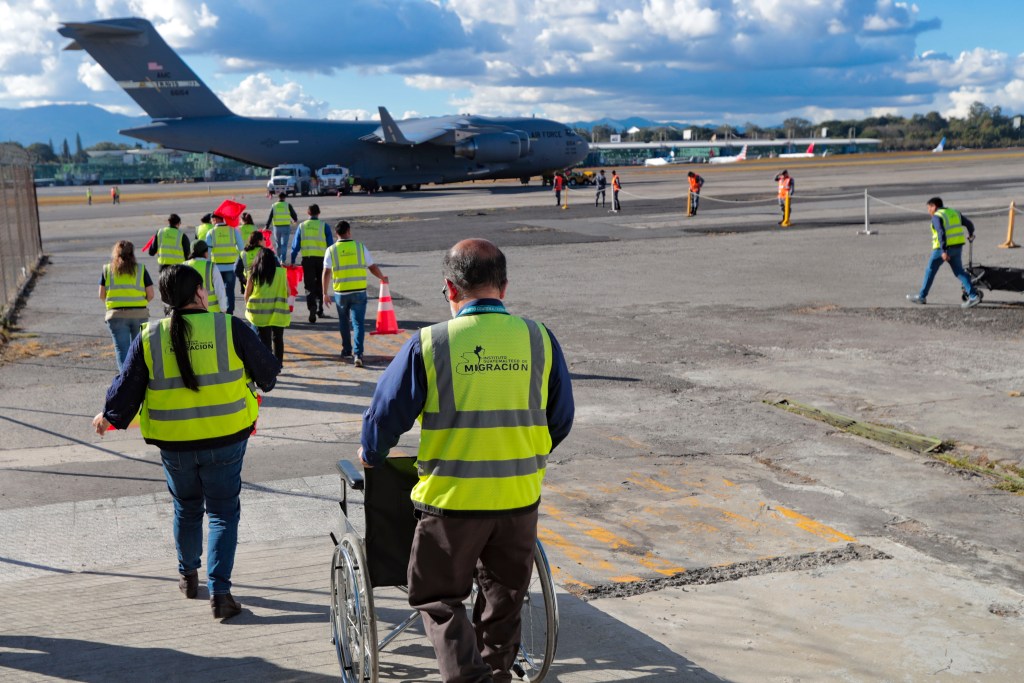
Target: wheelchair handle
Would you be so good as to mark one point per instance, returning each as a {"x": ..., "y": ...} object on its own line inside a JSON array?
[{"x": 352, "y": 474}]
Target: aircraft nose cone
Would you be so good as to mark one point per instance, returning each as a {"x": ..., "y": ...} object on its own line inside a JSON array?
[{"x": 584, "y": 148}]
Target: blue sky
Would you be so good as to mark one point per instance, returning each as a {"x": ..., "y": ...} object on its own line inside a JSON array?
[{"x": 722, "y": 61}]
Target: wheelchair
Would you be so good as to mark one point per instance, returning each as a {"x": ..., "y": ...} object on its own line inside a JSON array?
[{"x": 381, "y": 560}]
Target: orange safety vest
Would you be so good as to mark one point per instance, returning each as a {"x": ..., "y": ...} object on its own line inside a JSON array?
[
  {"x": 695, "y": 183},
  {"x": 785, "y": 186},
  {"x": 616, "y": 185}
]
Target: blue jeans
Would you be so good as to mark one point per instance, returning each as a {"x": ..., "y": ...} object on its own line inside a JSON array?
[
  {"x": 123, "y": 331},
  {"x": 281, "y": 235},
  {"x": 229, "y": 277},
  {"x": 351, "y": 306},
  {"x": 955, "y": 262},
  {"x": 213, "y": 477}
]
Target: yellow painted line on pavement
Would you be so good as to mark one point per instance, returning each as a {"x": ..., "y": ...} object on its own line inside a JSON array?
[
  {"x": 813, "y": 527},
  {"x": 727, "y": 482},
  {"x": 650, "y": 483}
]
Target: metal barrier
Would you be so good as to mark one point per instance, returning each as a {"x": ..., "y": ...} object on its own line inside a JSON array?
[{"x": 21, "y": 245}]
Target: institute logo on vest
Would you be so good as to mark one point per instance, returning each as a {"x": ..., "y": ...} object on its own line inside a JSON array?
[{"x": 477, "y": 360}]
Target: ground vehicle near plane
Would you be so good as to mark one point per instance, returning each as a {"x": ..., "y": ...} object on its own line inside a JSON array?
[
  {"x": 578, "y": 177},
  {"x": 358, "y": 566},
  {"x": 333, "y": 179},
  {"x": 187, "y": 115},
  {"x": 292, "y": 179}
]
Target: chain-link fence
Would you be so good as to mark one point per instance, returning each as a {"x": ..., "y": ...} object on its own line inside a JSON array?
[{"x": 21, "y": 245}]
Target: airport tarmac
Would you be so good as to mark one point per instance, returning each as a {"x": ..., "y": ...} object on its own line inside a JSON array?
[{"x": 697, "y": 533}]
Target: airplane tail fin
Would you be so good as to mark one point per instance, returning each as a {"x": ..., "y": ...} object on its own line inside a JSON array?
[
  {"x": 941, "y": 146},
  {"x": 743, "y": 154},
  {"x": 810, "y": 148},
  {"x": 146, "y": 67}
]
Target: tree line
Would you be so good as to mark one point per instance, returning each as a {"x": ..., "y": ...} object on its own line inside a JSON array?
[
  {"x": 983, "y": 127},
  {"x": 46, "y": 153}
]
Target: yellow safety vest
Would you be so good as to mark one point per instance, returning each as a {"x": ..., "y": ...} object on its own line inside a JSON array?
[
  {"x": 247, "y": 229},
  {"x": 268, "y": 304},
  {"x": 202, "y": 229},
  {"x": 282, "y": 216},
  {"x": 249, "y": 258},
  {"x": 348, "y": 266},
  {"x": 226, "y": 401},
  {"x": 952, "y": 223},
  {"x": 223, "y": 245},
  {"x": 484, "y": 441},
  {"x": 169, "y": 248},
  {"x": 205, "y": 268},
  {"x": 125, "y": 291},
  {"x": 312, "y": 240}
]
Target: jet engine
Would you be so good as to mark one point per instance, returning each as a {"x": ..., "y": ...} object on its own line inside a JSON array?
[{"x": 490, "y": 147}]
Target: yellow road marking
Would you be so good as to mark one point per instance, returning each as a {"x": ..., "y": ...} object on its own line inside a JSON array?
[
  {"x": 816, "y": 528},
  {"x": 650, "y": 483}
]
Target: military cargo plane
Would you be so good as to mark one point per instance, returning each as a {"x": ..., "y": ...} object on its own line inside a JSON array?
[{"x": 391, "y": 154}]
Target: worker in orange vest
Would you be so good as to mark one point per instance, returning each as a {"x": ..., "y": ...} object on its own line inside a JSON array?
[
  {"x": 616, "y": 186},
  {"x": 558, "y": 185},
  {"x": 787, "y": 186},
  {"x": 696, "y": 182}
]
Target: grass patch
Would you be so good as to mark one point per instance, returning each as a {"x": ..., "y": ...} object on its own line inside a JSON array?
[{"x": 1008, "y": 477}]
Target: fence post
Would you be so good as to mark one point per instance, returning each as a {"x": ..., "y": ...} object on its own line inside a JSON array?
[
  {"x": 1009, "y": 243},
  {"x": 867, "y": 215}
]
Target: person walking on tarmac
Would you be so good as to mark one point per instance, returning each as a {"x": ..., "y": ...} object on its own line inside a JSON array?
[
  {"x": 787, "y": 186},
  {"x": 280, "y": 220},
  {"x": 126, "y": 288},
  {"x": 616, "y": 187},
  {"x": 948, "y": 239},
  {"x": 312, "y": 237},
  {"x": 225, "y": 246},
  {"x": 487, "y": 427},
  {"x": 602, "y": 186},
  {"x": 344, "y": 279},
  {"x": 557, "y": 185},
  {"x": 170, "y": 244},
  {"x": 88, "y": 196},
  {"x": 245, "y": 229},
  {"x": 204, "y": 227},
  {"x": 213, "y": 283},
  {"x": 248, "y": 257},
  {"x": 696, "y": 182},
  {"x": 189, "y": 365},
  {"x": 266, "y": 301}
]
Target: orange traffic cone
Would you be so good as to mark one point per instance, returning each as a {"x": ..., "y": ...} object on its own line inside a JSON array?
[{"x": 386, "y": 321}]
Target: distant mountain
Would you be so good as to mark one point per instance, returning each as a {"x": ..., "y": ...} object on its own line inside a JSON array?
[
  {"x": 627, "y": 123},
  {"x": 59, "y": 121}
]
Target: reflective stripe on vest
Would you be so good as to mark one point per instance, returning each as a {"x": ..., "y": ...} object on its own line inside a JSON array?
[
  {"x": 125, "y": 291},
  {"x": 281, "y": 214},
  {"x": 953, "y": 225},
  {"x": 268, "y": 304},
  {"x": 485, "y": 417},
  {"x": 784, "y": 187},
  {"x": 223, "y": 245},
  {"x": 225, "y": 403},
  {"x": 348, "y": 266},
  {"x": 205, "y": 268},
  {"x": 312, "y": 240},
  {"x": 169, "y": 249}
]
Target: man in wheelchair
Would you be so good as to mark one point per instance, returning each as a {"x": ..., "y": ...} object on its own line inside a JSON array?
[{"x": 493, "y": 395}]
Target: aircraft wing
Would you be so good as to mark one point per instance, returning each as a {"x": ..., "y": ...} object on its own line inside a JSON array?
[{"x": 419, "y": 131}]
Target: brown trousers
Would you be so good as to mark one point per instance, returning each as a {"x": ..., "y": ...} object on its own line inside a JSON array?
[{"x": 446, "y": 554}]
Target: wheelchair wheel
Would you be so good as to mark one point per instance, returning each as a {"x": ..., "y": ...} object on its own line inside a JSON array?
[
  {"x": 539, "y": 636},
  {"x": 353, "y": 625}
]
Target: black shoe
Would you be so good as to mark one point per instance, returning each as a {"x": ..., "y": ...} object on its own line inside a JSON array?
[
  {"x": 224, "y": 606},
  {"x": 346, "y": 354},
  {"x": 312, "y": 316},
  {"x": 189, "y": 584},
  {"x": 320, "y": 313}
]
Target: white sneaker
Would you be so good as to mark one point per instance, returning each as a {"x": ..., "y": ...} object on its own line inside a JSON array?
[
  {"x": 971, "y": 303},
  {"x": 358, "y": 361}
]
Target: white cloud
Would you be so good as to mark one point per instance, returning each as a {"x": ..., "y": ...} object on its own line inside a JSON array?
[
  {"x": 350, "y": 115},
  {"x": 259, "y": 95}
]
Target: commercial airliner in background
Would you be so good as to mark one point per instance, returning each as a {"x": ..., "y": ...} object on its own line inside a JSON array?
[
  {"x": 800, "y": 155},
  {"x": 187, "y": 115},
  {"x": 941, "y": 146},
  {"x": 730, "y": 160}
]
